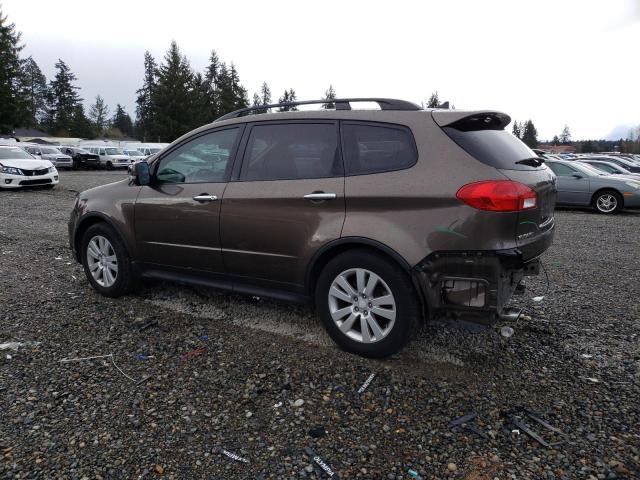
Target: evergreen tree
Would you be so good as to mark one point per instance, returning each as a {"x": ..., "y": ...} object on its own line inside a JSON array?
[
  {"x": 62, "y": 100},
  {"x": 530, "y": 135},
  {"x": 555, "y": 140},
  {"x": 517, "y": 129},
  {"x": 172, "y": 98},
  {"x": 212, "y": 77},
  {"x": 98, "y": 115},
  {"x": 14, "y": 108},
  {"x": 81, "y": 126},
  {"x": 144, "y": 105},
  {"x": 201, "y": 102},
  {"x": 240, "y": 95},
  {"x": 35, "y": 90},
  {"x": 433, "y": 101},
  {"x": 256, "y": 100},
  {"x": 226, "y": 96},
  {"x": 122, "y": 121},
  {"x": 330, "y": 94},
  {"x": 265, "y": 94},
  {"x": 565, "y": 136},
  {"x": 288, "y": 96}
]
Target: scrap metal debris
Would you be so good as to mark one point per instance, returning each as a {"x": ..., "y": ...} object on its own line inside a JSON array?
[
  {"x": 147, "y": 324},
  {"x": 366, "y": 383},
  {"x": 95, "y": 357},
  {"x": 516, "y": 423},
  {"x": 321, "y": 463},
  {"x": 466, "y": 422},
  {"x": 14, "y": 346}
]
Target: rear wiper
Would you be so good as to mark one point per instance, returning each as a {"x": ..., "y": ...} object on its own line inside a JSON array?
[{"x": 533, "y": 161}]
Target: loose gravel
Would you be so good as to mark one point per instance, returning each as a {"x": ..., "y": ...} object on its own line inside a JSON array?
[{"x": 197, "y": 384}]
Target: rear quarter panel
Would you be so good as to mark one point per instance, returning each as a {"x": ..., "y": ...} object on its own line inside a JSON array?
[{"x": 415, "y": 211}]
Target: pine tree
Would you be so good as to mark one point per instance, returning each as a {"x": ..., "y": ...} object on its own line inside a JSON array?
[
  {"x": 122, "y": 121},
  {"x": 555, "y": 140},
  {"x": 144, "y": 100},
  {"x": 81, "y": 126},
  {"x": 433, "y": 101},
  {"x": 173, "y": 96},
  {"x": 288, "y": 96},
  {"x": 62, "y": 100},
  {"x": 212, "y": 77},
  {"x": 517, "y": 130},
  {"x": 565, "y": 136},
  {"x": 530, "y": 135},
  {"x": 265, "y": 94},
  {"x": 201, "y": 102},
  {"x": 14, "y": 107},
  {"x": 35, "y": 90},
  {"x": 240, "y": 95},
  {"x": 98, "y": 114},
  {"x": 226, "y": 96},
  {"x": 330, "y": 94}
]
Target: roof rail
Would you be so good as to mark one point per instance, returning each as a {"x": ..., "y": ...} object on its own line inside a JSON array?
[{"x": 340, "y": 104}]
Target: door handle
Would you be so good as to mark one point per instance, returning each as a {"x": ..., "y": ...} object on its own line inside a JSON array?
[
  {"x": 205, "y": 197},
  {"x": 316, "y": 196}
]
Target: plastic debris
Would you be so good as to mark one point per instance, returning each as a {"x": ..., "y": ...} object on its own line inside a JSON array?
[
  {"x": 193, "y": 353},
  {"x": 466, "y": 422},
  {"x": 366, "y": 383},
  {"x": 516, "y": 422},
  {"x": 414, "y": 474},
  {"x": 233, "y": 456},
  {"x": 506, "y": 332},
  {"x": 204, "y": 337},
  {"x": 538, "y": 299},
  {"x": 81, "y": 359},
  {"x": 321, "y": 463},
  {"x": 143, "y": 356}
]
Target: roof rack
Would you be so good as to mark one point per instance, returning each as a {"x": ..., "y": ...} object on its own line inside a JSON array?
[{"x": 340, "y": 104}]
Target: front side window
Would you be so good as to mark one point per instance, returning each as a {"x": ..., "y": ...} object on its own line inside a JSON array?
[
  {"x": 370, "y": 148},
  {"x": 292, "y": 151},
  {"x": 205, "y": 159}
]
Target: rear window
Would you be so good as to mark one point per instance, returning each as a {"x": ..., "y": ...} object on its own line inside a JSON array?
[
  {"x": 497, "y": 148},
  {"x": 373, "y": 148}
]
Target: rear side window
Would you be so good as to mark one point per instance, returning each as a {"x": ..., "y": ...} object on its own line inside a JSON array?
[
  {"x": 292, "y": 151},
  {"x": 561, "y": 170},
  {"x": 374, "y": 148},
  {"x": 497, "y": 148}
]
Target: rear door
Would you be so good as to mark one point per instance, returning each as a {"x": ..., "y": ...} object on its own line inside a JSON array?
[
  {"x": 287, "y": 201},
  {"x": 177, "y": 216},
  {"x": 483, "y": 136}
]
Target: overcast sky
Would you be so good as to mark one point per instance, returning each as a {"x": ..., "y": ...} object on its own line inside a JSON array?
[{"x": 556, "y": 62}]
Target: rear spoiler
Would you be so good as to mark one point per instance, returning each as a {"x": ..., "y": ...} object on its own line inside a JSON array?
[{"x": 471, "y": 121}]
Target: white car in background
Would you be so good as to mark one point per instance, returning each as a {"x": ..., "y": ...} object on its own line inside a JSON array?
[
  {"x": 55, "y": 156},
  {"x": 135, "y": 155},
  {"x": 20, "y": 169},
  {"x": 110, "y": 157}
]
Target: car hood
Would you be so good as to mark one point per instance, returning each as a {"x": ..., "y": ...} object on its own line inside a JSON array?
[{"x": 27, "y": 164}]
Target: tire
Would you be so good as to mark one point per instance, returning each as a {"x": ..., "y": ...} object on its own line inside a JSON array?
[
  {"x": 109, "y": 166},
  {"x": 123, "y": 279},
  {"x": 394, "y": 331},
  {"x": 74, "y": 165},
  {"x": 608, "y": 202}
]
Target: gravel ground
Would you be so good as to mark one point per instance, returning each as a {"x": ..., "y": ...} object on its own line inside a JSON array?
[{"x": 260, "y": 379}]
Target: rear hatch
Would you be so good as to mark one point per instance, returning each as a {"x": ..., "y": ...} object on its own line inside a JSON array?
[{"x": 482, "y": 135}]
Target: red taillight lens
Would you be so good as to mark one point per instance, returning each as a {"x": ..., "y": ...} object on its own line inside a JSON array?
[{"x": 498, "y": 196}]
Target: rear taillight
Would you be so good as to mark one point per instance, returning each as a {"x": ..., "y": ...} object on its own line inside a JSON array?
[{"x": 498, "y": 196}]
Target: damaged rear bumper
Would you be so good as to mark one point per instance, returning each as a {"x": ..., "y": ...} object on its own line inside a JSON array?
[{"x": 471, "y": 286}]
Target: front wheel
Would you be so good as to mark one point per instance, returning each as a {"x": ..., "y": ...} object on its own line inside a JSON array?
[
  {"x": 607, "y": 202},
  {"x": 105, "y": 261},
  {"x": 109, "y": 166},
  {"x": 367, "y": 304}
]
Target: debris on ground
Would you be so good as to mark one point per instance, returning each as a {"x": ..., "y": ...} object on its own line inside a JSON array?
[
  {"x": 193, "y": 353},
  {"x": 366, "y": 383},
  {"x": 321, "y": 463},
  {"x": 233, "y": 456},
  {"x": 466, "y": 422}
]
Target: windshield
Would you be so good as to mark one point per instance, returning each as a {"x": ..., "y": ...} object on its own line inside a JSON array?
[
  {"x": 49, "y": 150},
  {"x": 134, "y": 153},
  {"x": 154, "y": 150},
  {"x": 14, "y": 154},
  {"x": 114, "y": 151}
]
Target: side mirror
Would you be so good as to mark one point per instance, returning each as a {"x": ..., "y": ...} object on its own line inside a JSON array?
[
  {"x": 141, "y": 173},
  {"x": 577, "y": 175}
]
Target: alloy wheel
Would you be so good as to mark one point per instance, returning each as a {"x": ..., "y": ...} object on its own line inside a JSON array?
[
  {"x": 607, "y": 203},
  {"x": 102, "y": 261},
  {"x": 362, "y": 305}
]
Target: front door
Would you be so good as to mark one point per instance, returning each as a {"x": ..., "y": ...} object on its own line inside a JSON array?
[
  {"x": 573, "y": 185},
  {"x": 287, "y": 201},
  {"x": 177, "y": 216}
]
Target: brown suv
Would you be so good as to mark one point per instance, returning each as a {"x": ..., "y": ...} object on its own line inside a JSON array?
[{"x": 382, "y": 218}]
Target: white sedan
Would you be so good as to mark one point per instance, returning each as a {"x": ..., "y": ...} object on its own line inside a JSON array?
[{"x": 20, "y": 169}]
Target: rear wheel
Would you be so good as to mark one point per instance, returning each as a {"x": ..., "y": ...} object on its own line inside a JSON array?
[
  {"x": 109, "y": 166},
  {"x": 367, "y": 304},
  {"x": 608, "y": 201},
  {"x": 106, "y": 261}
]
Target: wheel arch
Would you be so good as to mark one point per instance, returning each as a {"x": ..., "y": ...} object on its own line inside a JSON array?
[
  {"x": 90, "y": 220},
  {"x": 341, "y": 245}
]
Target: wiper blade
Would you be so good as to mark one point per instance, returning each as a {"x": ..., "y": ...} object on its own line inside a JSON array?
[{"x": 533, "y": 161}]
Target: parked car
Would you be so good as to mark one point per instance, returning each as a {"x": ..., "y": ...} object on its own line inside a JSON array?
[
  {"x": 135, "y": 155},
  {"x": 623, "y": 162},
  {"x": 21, "y": 169},
  {"x": 583, "y": 185},
  {"x": 81, "y": 157},
  {"x": 110, "y": 157},
  {"x": 55, "y": 156},
  {"x": 383, "y": 219},
  {"x": 609, "y": 167}
]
